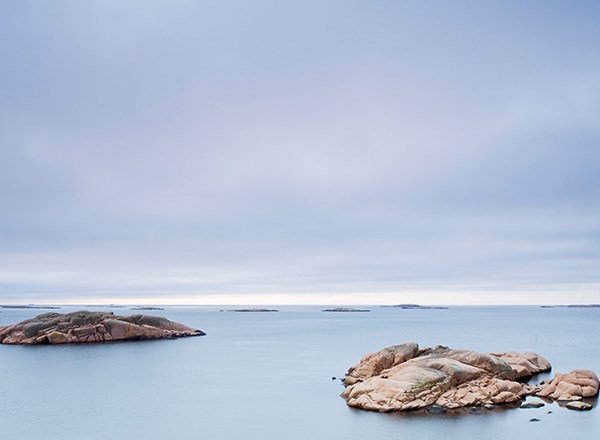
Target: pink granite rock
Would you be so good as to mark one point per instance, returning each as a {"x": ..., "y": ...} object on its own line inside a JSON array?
[
  {"x": 571, "y": 386},
  {"x": 88, "y": 327},
  {"x": 404, "y": 377}
]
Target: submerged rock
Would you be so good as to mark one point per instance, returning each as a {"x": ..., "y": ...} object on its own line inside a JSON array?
[
  {"x": 84, "y": 326},
  {"x": 405, "y": 377}
]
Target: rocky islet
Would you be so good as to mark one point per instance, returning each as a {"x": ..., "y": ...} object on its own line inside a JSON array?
[
  {"x": 345, "y": 310},
  {"x": 88, "y": 327},
  {"x": 415, "y": 307},
  {"x": 406, "y": 377}
]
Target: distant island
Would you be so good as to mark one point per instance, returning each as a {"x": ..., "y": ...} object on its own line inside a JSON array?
[
  {"x": 88, "y": 327},
  {"x": 345, "y": 309},
  {"x": 582, "y": 306},
  {"x": 251, "y": 310},
  {"x": 416, "y": 306},
  {"x": 146, "y": 308},
  {"x": 110, "y": 306},
  {"x": 27, "y": 306}
]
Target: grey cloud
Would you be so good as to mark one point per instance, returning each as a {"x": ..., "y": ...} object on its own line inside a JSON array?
[{"x": 222, "y": 147}]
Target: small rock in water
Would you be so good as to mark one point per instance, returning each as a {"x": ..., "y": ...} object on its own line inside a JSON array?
[
  {"x": 533, "y": 404},
  {"x": 437, "y": 409},
  {"x": 333, "y": 378},
  {"x": 534, "y": 420},
  {"x": 579, "y": 405},
  {"x": 488, "y": 406},
  {"x": 549, "y": 412}
]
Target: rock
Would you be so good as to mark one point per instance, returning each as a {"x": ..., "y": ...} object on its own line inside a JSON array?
[
  {"x": 61, "y": 326},
  {"x": 119, "y": 330},
  {"x": 88, "y": 327},
  {"x": 56, "y": 337},
  {"x": 570, "y": 386},
  {"x": 526, "y": 364},
  {"x": 373, "y": 364},
  {"x": 534, "y": 420},
  {"x": 83, "y": 331},
  {"x": 32, "y": 328},
  {"x": 405, "y": 377},
  {"x": 533, "y": 404},
  {"x": 435, "y": 376},
  {"x": 579, "y": 405}
]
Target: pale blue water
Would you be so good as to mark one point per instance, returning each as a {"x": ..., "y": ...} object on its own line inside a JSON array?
[{"x": 268, "y": 376}]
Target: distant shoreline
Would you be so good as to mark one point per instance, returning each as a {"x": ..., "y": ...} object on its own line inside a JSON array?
[{"x": 30, "y": 306}]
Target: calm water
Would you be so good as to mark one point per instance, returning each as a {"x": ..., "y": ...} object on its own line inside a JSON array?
[{"x": 268, "y": 376}]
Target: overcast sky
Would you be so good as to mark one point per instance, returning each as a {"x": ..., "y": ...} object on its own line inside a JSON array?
[{"x": 236, "y": 151}]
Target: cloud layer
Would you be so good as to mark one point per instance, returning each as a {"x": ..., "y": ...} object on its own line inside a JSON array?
[{"x": 361, "y": 151}]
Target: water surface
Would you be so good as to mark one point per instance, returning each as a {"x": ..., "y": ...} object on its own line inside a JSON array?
[{"x": 269, "y": 376}]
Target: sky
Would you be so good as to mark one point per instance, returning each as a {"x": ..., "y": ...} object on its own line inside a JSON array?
[{"x": 295, "y": 152}]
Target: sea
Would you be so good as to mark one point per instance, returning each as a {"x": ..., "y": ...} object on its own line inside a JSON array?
[{"x": 275, "y": 376}]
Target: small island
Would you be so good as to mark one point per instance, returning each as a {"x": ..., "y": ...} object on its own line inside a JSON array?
[
  {"x": 437, "y": 379},
  {"x": 87, "y": 327},
  {"x": 416, "y": 307},
  {"x": 345, "y": 309},
  {"x": 253, "y": 310},
  {"x": 146, "y": 308},
  {"x": 575, "y": 306},
  {"x": 27, "y": 306}
]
